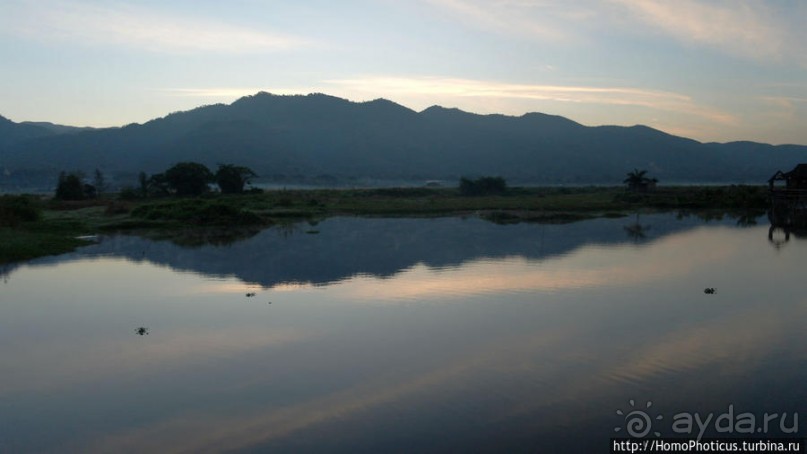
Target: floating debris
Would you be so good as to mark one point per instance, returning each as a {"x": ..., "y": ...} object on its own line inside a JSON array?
[
  {"x": 142, "y": 331},
  {"x": 250, "y": 294},
  {"x": 709, "y": 290}
]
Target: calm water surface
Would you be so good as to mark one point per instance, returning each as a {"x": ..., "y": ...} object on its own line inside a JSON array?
[{"x": 401, "y": 335}]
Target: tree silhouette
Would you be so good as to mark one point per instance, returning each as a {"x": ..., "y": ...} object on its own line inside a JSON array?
[
  {"x": 483, "y": 186},
  {"x": 188, "y": 178},
  {"x": 637, "y": 180},
  {"x": 231, "y": 178},
  {"x": 100, "y": 182},
  {"x": 143, "y": 181},
  {"x": 70, "y": 187}
]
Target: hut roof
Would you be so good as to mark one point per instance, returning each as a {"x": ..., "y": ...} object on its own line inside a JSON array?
[{"x": 798, "y": 171}]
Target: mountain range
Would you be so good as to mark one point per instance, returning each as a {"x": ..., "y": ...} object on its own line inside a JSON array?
[{"x": 316, "y": 135}]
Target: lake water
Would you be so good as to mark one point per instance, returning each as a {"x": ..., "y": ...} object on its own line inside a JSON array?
[{"x": 403, "y": 335}]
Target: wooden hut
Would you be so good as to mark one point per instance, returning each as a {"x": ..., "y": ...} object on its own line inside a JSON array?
[
  {"x": 788, "y": 207},
  {"x": 794, "y": 182}
]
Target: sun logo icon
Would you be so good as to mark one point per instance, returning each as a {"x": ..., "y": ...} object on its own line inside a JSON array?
[{"x": 638, "y": 423}]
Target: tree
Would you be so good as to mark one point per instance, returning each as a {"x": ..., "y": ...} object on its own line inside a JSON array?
[
  {"x": 157, "y": 184},
  {"x": 99, "y": 182},
  {"x": 483, "y": 186},
  {"x": 637, "y": 181},
  {"x": 143, "y": 180},
  {"x": 231, "y": 178},
  {"x": 70, "y": 187},
  {"x": 189, "y": 178}
]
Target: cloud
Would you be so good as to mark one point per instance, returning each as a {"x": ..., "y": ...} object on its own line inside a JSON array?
[
  {"x": 28, "y": 370},
  {"x": 530, "y": 18},
  {"x": 467, "y": 88},
  {"x": 748, "y": 29},
  {"x": 621, "y": 105},
  {"x": 136, "y": 27}
]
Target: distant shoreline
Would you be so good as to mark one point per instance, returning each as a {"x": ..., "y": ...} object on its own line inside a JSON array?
[{"x": 59, "y": 223}]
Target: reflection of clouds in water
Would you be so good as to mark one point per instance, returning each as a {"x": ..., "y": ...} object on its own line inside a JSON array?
[
  {"x": 30, "y": 367},
  {"x": 536, "y": 357},
  {"x": 538, "y": 361},
  {"x": 631, "y": 317},
  {"x": 587, "y": 267},
  {"x": 199, "y": 433}
]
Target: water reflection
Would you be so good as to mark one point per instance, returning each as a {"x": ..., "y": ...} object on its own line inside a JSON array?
[
  {"x": 436, "y": 350},
  {"x": 346, "y": 247}
]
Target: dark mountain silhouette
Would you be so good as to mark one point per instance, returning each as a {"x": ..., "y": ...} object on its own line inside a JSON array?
[
  {"x": 319, "y": 134},
  {"x": 14, "y": 133},
  {"x": 57, "y": 129}
]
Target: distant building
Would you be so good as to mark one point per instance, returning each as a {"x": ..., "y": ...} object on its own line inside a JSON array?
[
  {"x": 788, "y": 208},
  {"x": 793, "y": 182}
]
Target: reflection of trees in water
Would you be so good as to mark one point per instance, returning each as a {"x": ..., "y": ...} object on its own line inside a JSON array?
[
  {"x": 636, "y": 231},
  {"x": 295, "y": 226},
  {"x": 747, "y": 220},
  {"x": 744, "y": 218},
  {"x": 198, "y": 237},
  {"x": 349, "y": 246},
  {"x": 5, "y": 272}
]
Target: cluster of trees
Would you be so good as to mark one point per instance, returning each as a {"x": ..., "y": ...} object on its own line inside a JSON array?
[
  {"x": 183, "y": 179},
  {"x": 193, "y": 178},
  {"x": 483, "y": 186},
  {"x": 72, "y": 186}
]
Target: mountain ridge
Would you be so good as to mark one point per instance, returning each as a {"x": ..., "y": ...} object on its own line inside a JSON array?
[{"x": 319, "y": 134}]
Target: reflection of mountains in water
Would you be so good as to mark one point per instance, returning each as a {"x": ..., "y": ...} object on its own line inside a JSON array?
[{"x": 345, "y": 247}]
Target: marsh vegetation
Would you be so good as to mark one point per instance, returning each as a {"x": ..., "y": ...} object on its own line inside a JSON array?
[{"x": 32, "y": 226}]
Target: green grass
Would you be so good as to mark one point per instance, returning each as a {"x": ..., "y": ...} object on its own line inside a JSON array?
[
  {"x": 35, "y": 228},
  {"x": 36, "y": 240}
]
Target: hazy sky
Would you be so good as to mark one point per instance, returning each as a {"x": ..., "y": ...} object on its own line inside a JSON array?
[{"x": 718, "y": 70}]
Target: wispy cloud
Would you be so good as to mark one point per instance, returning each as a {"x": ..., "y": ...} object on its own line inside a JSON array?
[
  {"x": 480, "y": 96},
  {"x": 750, "y": 29},
  {"x": 532, "y": 18},
  {"x": 467, "y": 88},
  {"x": 104, "y": 24}
]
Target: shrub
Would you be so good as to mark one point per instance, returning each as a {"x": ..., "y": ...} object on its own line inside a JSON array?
[
  {"x": 129, "y": 193},
  {"x": 70, "y": 187},
  {"x": 483, "y": 186},
  {"x": 198, "y": 212},
  {"x": 15, "y": 209}
]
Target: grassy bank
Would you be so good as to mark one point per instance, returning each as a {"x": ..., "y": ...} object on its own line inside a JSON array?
[{"x": 31, "y": 227}]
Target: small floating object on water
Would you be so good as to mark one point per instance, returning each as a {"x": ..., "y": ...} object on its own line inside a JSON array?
[
  {"x": 142, "y": 331},
  {"x": 709, "y": 290},
  {"x": 93, "y": 238},
  {"x": 250, "y": 294}
]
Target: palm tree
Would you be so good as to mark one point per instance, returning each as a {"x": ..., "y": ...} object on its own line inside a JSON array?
[{"x": 637, "y": 180}]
